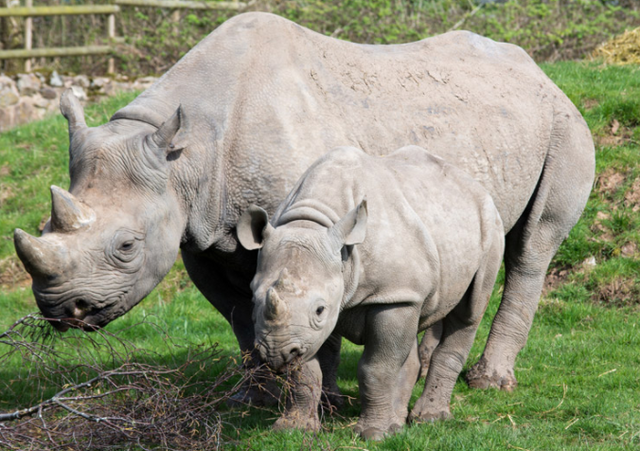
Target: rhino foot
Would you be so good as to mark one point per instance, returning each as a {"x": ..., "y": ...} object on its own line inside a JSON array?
[
  {"x": 295, "y": 420},
  {"x": 482, "y": 377},
  {"x": 376, "y": 433},
  {"x": 427, "y": 416},
  {"x": 258, "y": 395}
]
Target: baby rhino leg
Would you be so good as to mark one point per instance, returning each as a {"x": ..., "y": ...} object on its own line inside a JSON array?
[
  {"x": 388, "y": 370},
  {"x": 459, "y": 330}
]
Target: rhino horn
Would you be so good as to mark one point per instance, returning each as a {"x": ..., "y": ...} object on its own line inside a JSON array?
[
  {"x": 275, "y": 307},
  {"x": 67, "y": 213},
  {"x": 39, "y": 257},
  {"x": 72, "y": 110}
]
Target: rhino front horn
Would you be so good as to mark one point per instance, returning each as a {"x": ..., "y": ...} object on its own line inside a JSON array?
[
  {"x": 39, "y": 257},
  {"x": 275, "y": 308},
  {"x": 67, "y": 213}
]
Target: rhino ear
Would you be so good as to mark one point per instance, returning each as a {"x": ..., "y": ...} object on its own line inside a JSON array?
[
  {"x": 352, "y": 228},
  {"x": 172, "y": 134},
  {"x": 253, "y": 228}
]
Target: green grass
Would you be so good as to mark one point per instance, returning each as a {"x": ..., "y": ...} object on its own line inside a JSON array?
[{"x": 578, "y": 375}]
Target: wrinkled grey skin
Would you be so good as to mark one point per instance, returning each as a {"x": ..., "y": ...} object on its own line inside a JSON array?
[
  {"x": 424, "y": 247},
  {"x": 261, "y": 99}
]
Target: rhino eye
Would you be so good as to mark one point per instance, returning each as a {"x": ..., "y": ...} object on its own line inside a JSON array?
[
  {"x": 126, "y": 246},
  {"x": 319, "y": 310}
]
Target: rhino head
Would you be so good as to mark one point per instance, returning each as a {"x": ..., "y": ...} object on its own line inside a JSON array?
[
  {"x": 299, "y": 285},
  {"x": 116, "y": 233}
]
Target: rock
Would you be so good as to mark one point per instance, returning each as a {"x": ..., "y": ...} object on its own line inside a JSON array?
[
  {"x": 589, "y": 263},
  {"x": 41, "y": 102},
  {"x": 100, "y": 82},
  {"x": 48, "y": 93},
  {"x": 82, "y": 81},
  {"x": 8, "y": 97},
  {"x": 28, "y": 84},
  {"x": 56, "y": 80},
  {"x": 8, "y": 92},
  {"x": 79, "y": 93},
  {"x": 25, "y": 111}
]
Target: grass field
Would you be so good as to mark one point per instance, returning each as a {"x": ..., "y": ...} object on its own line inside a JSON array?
[{"x": 578, "y": 376}]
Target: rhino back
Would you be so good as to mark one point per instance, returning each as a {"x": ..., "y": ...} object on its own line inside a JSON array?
[{"x": 273, "y": 96}]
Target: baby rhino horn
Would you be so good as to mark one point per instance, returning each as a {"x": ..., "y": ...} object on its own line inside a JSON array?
[{"x": 275, "y": 308}]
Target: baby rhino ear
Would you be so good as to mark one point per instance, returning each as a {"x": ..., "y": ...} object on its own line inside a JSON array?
[
  {"x": 352, "y": 228},
  {"x": 253, "y": 227}
]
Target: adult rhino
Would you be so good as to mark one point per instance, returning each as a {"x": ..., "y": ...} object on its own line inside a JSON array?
[{"x": 240, "y": 117}]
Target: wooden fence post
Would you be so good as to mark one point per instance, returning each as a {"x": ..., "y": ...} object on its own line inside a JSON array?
[
  {"x": 111, "y": 31},
  {"x": 28, "y": 36}
]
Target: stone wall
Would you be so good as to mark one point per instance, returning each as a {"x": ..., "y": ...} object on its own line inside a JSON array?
[{"x": 29, "y": 97}]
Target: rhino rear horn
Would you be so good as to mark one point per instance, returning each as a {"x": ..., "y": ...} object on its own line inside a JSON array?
[
  {"x": 275, "y": 307},
  {"x": 39, "y": 257},
  {"x": 67, "y": 213},
  {"x": 72, "y": 110}
]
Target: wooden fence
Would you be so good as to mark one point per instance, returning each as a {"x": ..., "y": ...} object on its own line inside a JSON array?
[{"x": 112, "y": 10}]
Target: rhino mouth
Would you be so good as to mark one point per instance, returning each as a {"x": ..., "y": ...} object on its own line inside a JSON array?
[{"x": 64, "y": 324}]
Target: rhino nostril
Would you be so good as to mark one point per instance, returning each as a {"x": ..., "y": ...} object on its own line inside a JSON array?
[
  {"x": 80, "y": 309},
  {"x": 293, "y": 352}
]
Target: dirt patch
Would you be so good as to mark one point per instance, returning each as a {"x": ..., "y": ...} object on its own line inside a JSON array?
[
  {"x": 629, "y": 250},
  {"x": 615, "y": 135},
  {"x": 598, "y": 226},
  {"x": 5, "y": 193},
  {"x": 589, "y": 104},
  {"x": 13, "y": 274},
  {"x": 610, "y": 181},
  {"x": 559, "y": 276},
  {"x": 632, "y": 197},
  {"x": 554, "y": 279},
  {"x": 620, "y": 291}
]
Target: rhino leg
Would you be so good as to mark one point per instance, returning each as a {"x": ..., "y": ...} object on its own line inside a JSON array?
[
  {"x": 388, "y": 370},
  {"x": 554, "y": 209},
  {"x": 329, "y": 358},
  {"x": 446, "y": 363},
  {"x": 305, "y": 393},
  {"x": 458, "y": 332},
  {"x": 428, "y": 344}
]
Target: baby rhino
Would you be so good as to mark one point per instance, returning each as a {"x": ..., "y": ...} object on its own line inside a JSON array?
[{"x": 376, "y": 249}]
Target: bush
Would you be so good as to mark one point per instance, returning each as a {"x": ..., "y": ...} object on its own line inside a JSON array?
[{"x": 156, "y": 38}]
